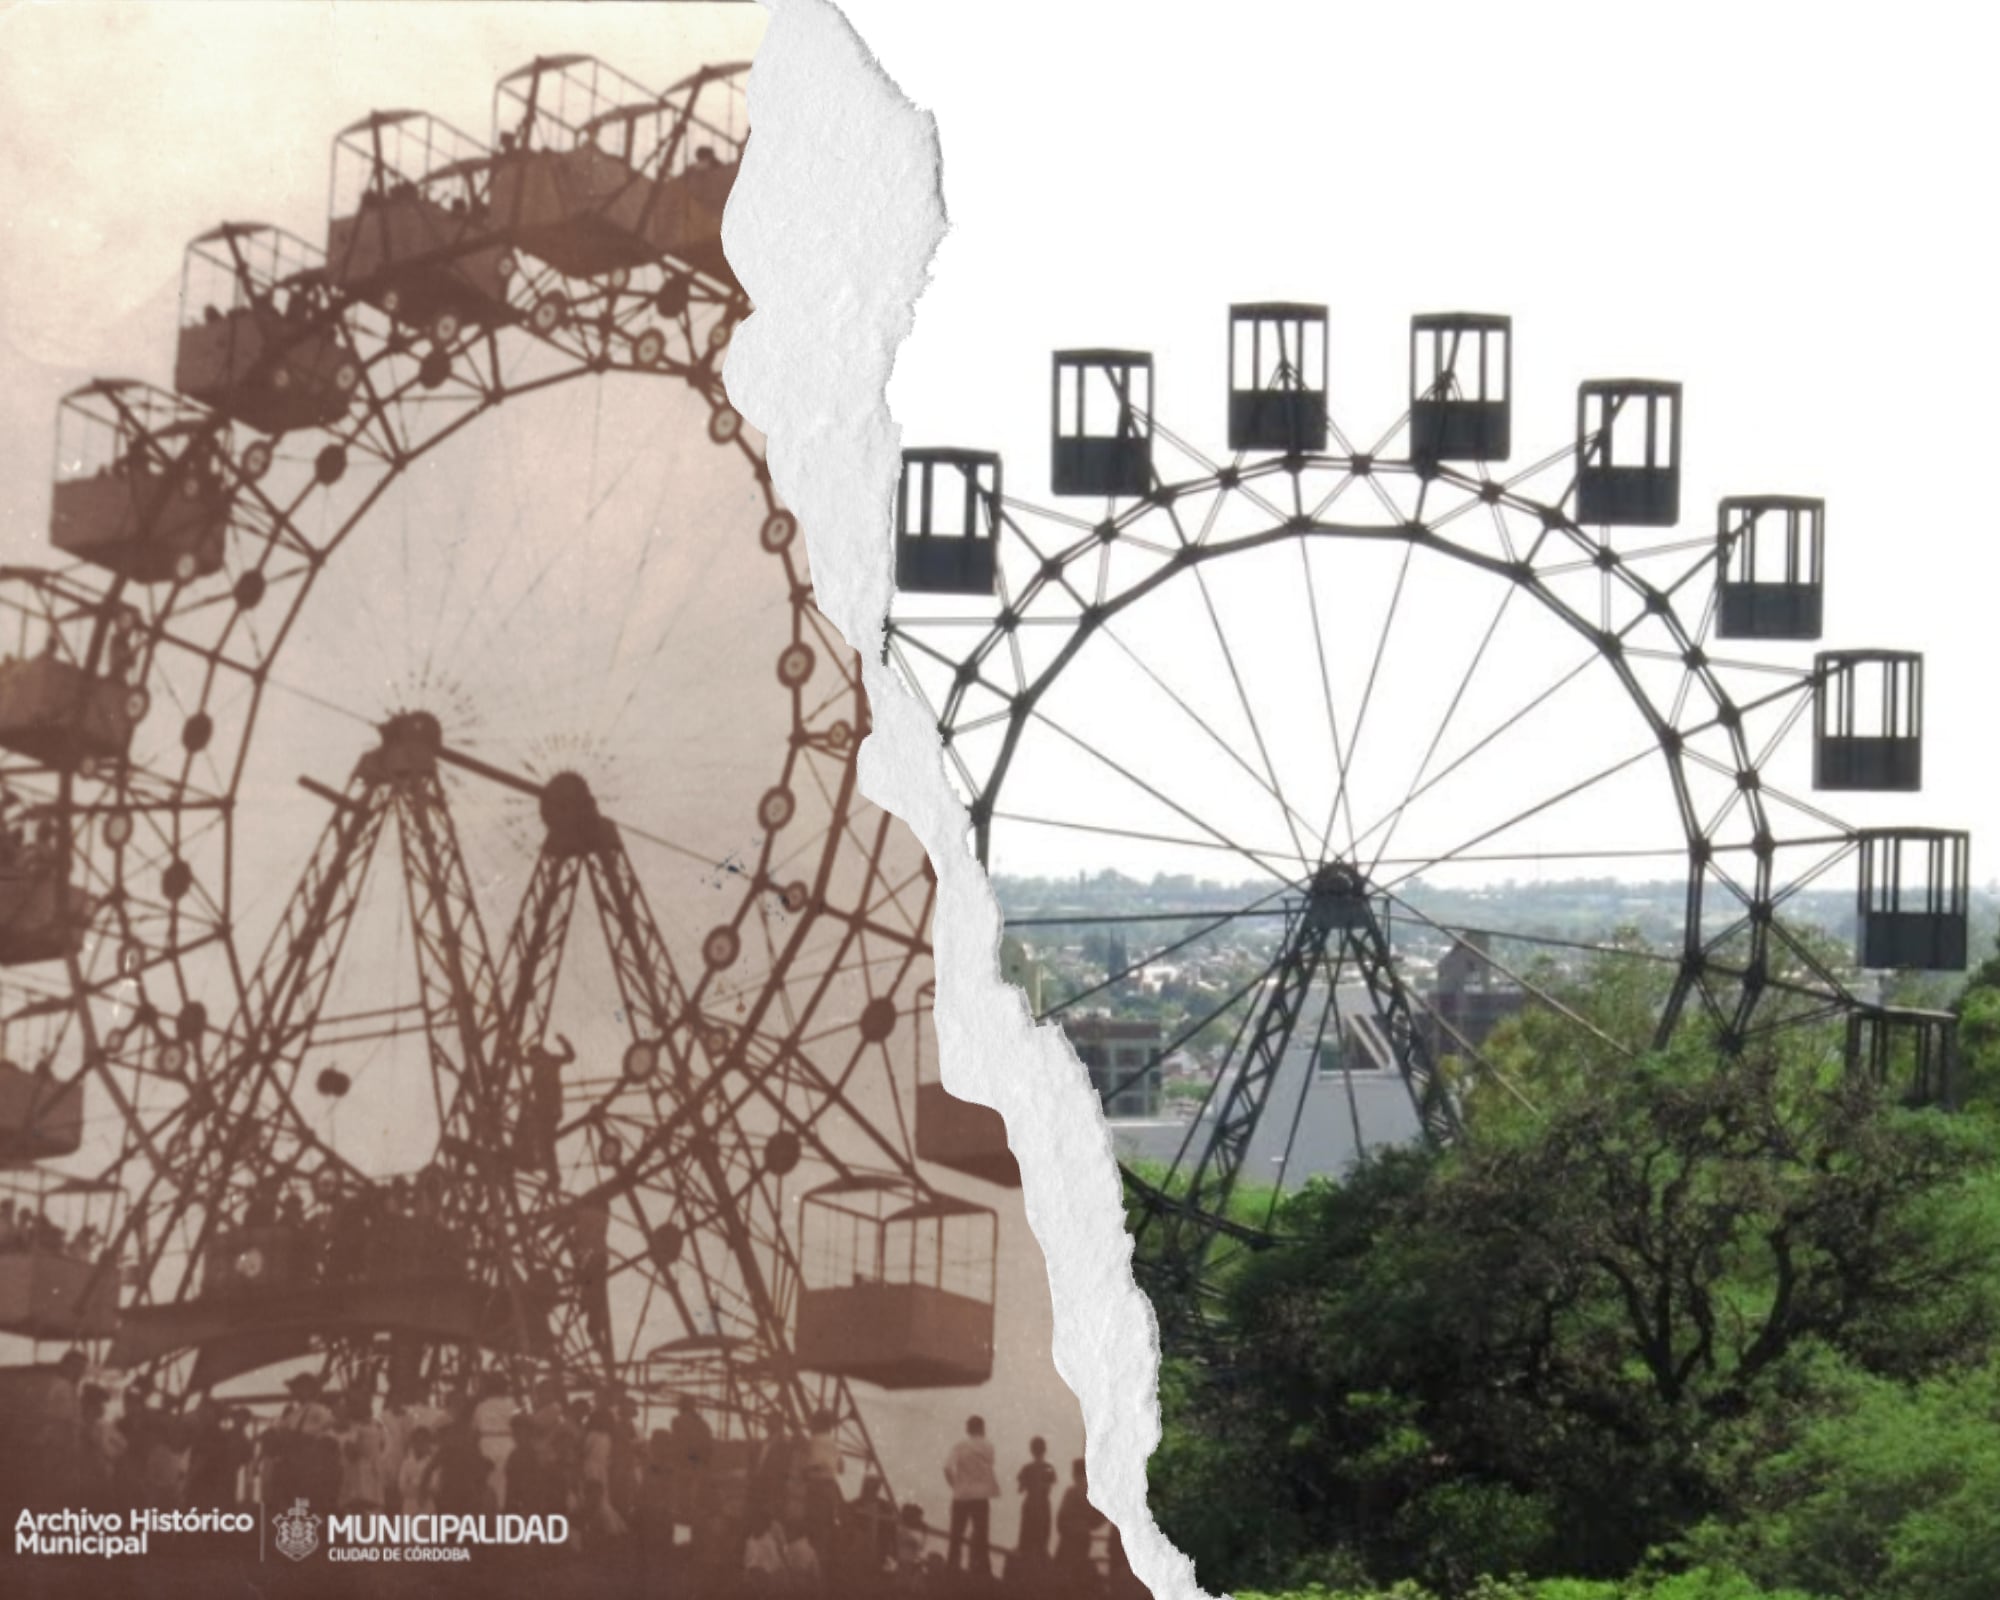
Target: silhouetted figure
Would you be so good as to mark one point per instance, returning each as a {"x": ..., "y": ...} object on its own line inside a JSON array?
[
  {"x": 291, "y": 1443},
  {"x": 219, "y": 1453},
  {"x": 598, "y": 1516},
  {"x": 463, "y": 1475},
  {"x": 911, "y": 1539},
  {"x": 591, "y": 1231},
  {"x": 493, "y": 1422},
  {"x": 1037, "y": 1482},
  {"x": 99, "y": 1445},
  {"x": 58, "y": 1462},
  {"x": 1076, "y": 1521},
  {"x": 363, "y": 1445},
  {"x": 168, "y": 1458},
  {"x": 653, "y": 1517},
  {"x": 417, "y": 1476},
  {"x": 542, "y": 1108},
  {"x": 533, "y": 1487},
  {"x": 820, "y": 1472},
  {"x": 691, "y": 1456},
  {"x": 969, "y": 1470},
  {"x": 136, "y": 1421}
]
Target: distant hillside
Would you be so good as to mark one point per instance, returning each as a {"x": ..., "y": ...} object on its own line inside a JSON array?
[{"x": 1058, "y": 910}]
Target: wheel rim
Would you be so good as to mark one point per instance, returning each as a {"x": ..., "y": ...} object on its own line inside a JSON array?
[{"x": 1191, "y": 680}]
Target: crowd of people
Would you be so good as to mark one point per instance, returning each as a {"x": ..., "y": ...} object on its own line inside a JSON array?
[{"x": 679, "y": 1510}]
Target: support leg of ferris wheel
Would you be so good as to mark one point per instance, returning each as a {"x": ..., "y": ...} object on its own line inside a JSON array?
[
  {"x": 1336, "y": 912},
  {"x": 653, "y": 996},
  {"x": 457, "y": 982},
  {"x": 283, "y": 996}
]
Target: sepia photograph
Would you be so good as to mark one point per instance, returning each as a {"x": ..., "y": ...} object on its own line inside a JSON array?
[{"x": 470, "y": 1110}]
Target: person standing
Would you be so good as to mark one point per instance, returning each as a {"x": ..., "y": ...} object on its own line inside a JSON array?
[
  {"x": 1077, "y": 1521},
  {"x": 597, "y": 1506},
  {"x": 975, "y": 1485},
  {"x": 691, "y": 1488},
  {"x": 59, "y": 1441},
  {"x": 218, "y": 1455},
  {"x": 493, "y": 1424},
  {"x": 363, "y": 1445},
  {"x": 653, "y": 1518},
  {"x": 462, "y": 1479},
  {"x": 416, "y": 1474},
  {"x": 822, "y": 1482},
  {"x": 912, "y": 1538},
  {"x": 533, "y": 1489},
  {"x": 1037, "y": 1482},
  {"x": 288, "y": 1442},
  {"x": 101, "y": 1444}
]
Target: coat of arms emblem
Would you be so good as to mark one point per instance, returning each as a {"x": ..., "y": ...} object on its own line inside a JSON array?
[{"x": 298, "y": 1531}]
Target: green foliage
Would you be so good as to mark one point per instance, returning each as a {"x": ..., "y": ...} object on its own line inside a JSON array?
[
  {"x": 1704, "y": 1584},
  {"x": 1654, "y": 1305},
  {"x": 1891, "y": 1493},
  {"x": 1978, "y": 1009}
]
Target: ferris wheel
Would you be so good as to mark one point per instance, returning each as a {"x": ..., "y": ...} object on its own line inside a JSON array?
[
  {"x": 1377, "y": 683},
  {"x": 442, "y": 929}
]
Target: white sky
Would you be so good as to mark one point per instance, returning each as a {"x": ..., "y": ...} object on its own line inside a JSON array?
[{"x": 1781, "y": 206}]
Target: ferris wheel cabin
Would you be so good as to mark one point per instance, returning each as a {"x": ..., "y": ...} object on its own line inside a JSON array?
[
  {"x": 1868, "y": 720},
  {"x": 42, "y": 914},
  {"x": 260, "y": 338},
  {"x": 410, "y": 229},
  {"x": 595, "y": 174},
  {"x": 1915, "y": 899},
  {"x": 59, "y": 1281},
  {"x": 1628, "y": 452},
  {"x": 1277, "y": 377},
  {"x": 1910, "y": 1050},
  {"x": 1770, "y": 557},
  {"x": 1461, "y": 386},
  {"x": 40, "y": 1119},
  {"x": 140, "y": 483},
  {"x": 372, "y": 1259},
  {"x": 1102, "y": 421},
  {"x": 897, "y": 1285},
  {"x": 948, "y": 522},
  {"x": 56, "y": 710}
]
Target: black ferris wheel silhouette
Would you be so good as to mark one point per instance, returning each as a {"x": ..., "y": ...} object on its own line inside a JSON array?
[{"x": 1344, "y": 668}]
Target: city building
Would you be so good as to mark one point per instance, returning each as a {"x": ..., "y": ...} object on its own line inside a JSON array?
[
  {"x": 1470, "y": 998},
  {"x": 1123, "y": 1057}
]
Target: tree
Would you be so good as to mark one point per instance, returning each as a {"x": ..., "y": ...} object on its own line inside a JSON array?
[
  {"x": 1543, "y": 1350},
  {"x": 1892, "y": 1493},
  {"x": 1978, "y": 1011}
]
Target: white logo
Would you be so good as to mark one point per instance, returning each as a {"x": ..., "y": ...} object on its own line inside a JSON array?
[{"x": 298, "y": 1531}]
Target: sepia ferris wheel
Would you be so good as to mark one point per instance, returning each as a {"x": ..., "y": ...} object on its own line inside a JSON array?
[
  {"x": 1346, "y": 670},
  {"x": 441, "y": 927}
]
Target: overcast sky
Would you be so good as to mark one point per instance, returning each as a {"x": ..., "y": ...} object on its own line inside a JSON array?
[{"x": 1785, "y": 207}]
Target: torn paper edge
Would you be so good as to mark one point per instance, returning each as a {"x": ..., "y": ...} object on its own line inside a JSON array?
[{"x": 831, "y": 228}]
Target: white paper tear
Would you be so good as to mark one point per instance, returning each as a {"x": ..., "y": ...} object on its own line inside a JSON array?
[{"x": 832, "y": 226}]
